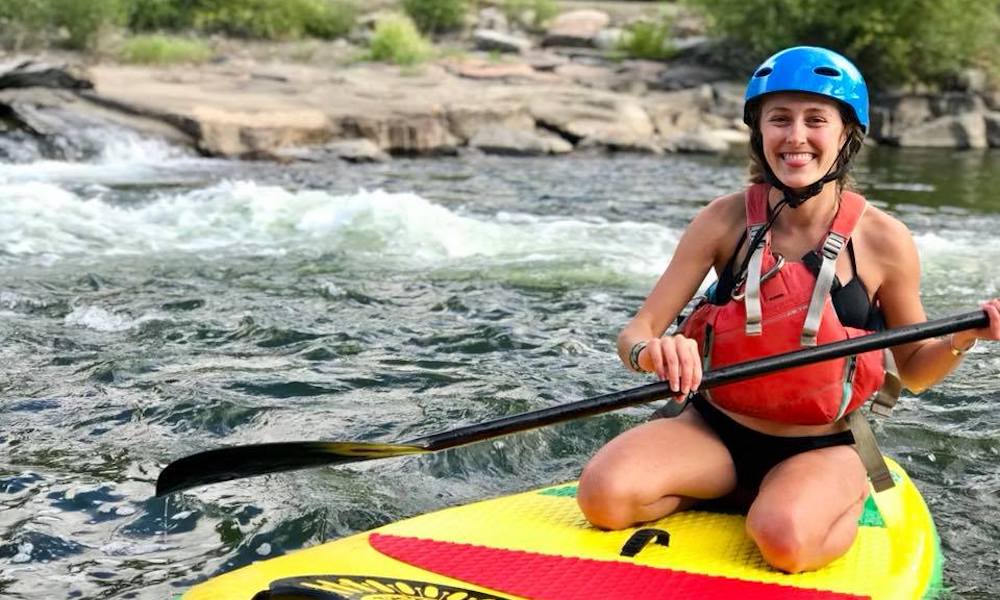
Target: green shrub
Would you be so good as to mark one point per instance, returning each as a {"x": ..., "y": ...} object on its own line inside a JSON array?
[
  {"x": 162, "y": 49},
  {"x": 397, "y": 40},
  {"x": 26, "y": 21},
  {"x": 435, "y": 16},
  {"x": 647, "y": 40},
  {"x": 274, "y": 19},
  {"x": 892, "y": 41},
  {"x": 537, "y": 11},
  {"x": 84, "y": 20},
  {"x": 153, "y": 15}
]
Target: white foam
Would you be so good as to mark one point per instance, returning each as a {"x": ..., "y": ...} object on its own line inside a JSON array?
[
  {"x": 98, "y": 319},
  {"x": 43, "y": 219}
]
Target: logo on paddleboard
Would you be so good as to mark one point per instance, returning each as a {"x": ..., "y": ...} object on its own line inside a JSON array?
[{"x": 359, "y": 587}]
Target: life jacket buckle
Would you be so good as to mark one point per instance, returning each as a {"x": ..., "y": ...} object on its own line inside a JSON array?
[{"x": 739, "y": 291}]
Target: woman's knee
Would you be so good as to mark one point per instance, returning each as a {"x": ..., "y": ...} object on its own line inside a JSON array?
[
  {"x": 783, "y": 538},
  {"x": 606, "y": 501}
]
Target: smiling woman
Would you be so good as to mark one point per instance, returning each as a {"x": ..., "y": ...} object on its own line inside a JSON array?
[
  {"x": 801, "y": 135},
  {"x": 785, "y": 447}
]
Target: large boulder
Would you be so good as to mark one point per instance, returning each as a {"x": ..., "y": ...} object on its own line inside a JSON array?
[
  {"x": 612, "y": 120},
  {"x": 29, "y": 74},
  {"x": 496, "y": 139},
  {"x": 407, "y": 134},
  {"x": 992, "y": 122},
  {"x": 576, "y": 28},
  {"x": 465, "y": 119},
  {"x": 967, "y": 130},
  {"x": 255, "y": 133},
  {"x": 490, "y": 40}
]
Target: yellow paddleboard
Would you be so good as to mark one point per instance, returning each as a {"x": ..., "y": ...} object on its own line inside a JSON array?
[{"x": 538, "y": 545}]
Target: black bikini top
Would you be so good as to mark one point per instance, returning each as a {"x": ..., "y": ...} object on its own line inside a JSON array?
[{"x": 851, "y": 300}]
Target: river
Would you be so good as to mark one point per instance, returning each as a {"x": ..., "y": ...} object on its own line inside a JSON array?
[{"x": 154, "y": 304}]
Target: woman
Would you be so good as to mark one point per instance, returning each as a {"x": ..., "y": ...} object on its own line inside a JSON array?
[{"x": 786, "y": 448}]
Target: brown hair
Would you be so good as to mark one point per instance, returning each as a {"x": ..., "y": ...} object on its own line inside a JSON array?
[{"x": 855, "y": 139}]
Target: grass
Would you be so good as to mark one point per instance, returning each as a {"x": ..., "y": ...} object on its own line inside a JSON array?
[{"x": 158, "y": 49}]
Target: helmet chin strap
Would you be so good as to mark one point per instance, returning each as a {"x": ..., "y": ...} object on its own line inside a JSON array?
[{"x": 795, "y": 197}]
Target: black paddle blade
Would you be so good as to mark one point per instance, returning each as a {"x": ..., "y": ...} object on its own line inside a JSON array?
[{"x": 224, "y": 464}]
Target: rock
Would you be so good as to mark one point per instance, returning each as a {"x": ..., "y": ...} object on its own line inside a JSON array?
[
  {"x": 403, "y": 134},
  {"x": 255, "y": 133},
  {"x": 480, "y": 69},
  {"x": 493, "y": 19},
  {"x": 699, "y": 142},
  {"x": 610, "y": 38},
  {"x": 28, "y": 73},
  {"x": 899, "y": 112},
  {"x": 353, "y": 151},
  {"x": 497, "y": 139},
  {"x": 683, "y": 76},
  {"x": 576, "y": 28},
  {"x": 972, "y": 81},
  {"x": 956, "y": 103},
  {"x": 951, "y": 131},
  {"x": 676, "y": 112},
  {"x": 992, "y": 121},
  {"x": 47, "y": 112},
  {"x": 490, "y": 40},
  {"x": 544, "y": 61},
  {"x": 879, "y": 123},
  {"x": 589, "y": 75},
  {"x": 464, "y": 120},
  {"x": 728, "y": 99},
  {"x": 992, "y": 99},
  {"x": 609, "y": 119}
]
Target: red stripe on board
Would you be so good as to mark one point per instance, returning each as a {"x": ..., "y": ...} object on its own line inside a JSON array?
[{"x": 549, "y": 577}]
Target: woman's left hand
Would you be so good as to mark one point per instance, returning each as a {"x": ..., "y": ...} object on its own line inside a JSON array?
[
  {"x": 991, "y": 331},
  {"x": 963, "y": 341}
]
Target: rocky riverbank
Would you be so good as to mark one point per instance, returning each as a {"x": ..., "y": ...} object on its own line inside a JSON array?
[{"x": 506, "y": 93}]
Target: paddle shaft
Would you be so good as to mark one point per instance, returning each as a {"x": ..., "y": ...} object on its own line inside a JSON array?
[
  {"x": 224, "y": 464},
  {"x": 659, "y": 390}
]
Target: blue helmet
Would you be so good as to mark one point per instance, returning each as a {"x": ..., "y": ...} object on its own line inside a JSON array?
[{"x": 813, "y": 70}]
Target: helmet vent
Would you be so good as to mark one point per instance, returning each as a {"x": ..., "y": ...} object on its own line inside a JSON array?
[
  {"x": 763, "y": 72},
  {"x": 828, "y": 71}
]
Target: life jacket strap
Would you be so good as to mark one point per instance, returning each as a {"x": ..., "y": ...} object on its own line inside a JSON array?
[
  {"x": 832, "y": 248},
  {"x": 892, "y": 386},
  {"x": 868, "y": 450},
  {"x": 864, "y": 438},
  {"x": 852, "y": 208},
  {"x": 754, "y": 325}
]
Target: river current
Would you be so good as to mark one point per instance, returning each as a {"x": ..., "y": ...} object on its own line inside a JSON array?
[{"x": 154, "y": 304}]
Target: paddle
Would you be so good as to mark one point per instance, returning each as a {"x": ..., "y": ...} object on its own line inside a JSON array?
[{"x": 224, "y": 464}]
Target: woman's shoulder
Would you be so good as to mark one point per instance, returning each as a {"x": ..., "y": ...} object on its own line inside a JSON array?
[
  {"x": 729, "y": 209},
  {"x": 884, "y": 235},
  {"x": 882, "y": 226}
]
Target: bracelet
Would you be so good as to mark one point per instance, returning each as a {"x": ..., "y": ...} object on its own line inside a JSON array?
[
  {"x": 633, "y": 356},
  {"x": 960, "y": 351}
]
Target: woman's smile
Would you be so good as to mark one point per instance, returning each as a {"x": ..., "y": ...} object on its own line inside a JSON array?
[{"x": 802, "y": 134}]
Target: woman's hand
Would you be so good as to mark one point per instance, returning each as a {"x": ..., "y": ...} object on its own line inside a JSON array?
[
  {"x": 674, "y": 359},
  {"x": 991, "y": 331},
  {"x": 963, "y": 341}
]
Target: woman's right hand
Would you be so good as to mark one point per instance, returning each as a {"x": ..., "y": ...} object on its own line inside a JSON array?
[{"x": 676, "y": 360}]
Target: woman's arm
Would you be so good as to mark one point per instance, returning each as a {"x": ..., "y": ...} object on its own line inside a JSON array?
[
  {"x": 676, "y": 359},
  {"x": 924, "y": 363}
]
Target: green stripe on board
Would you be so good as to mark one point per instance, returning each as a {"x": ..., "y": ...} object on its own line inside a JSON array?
[
  {"x": 936, "y": 585},
  {"x": 564, "y": 491},
  {"x": 870, "y": 516}
]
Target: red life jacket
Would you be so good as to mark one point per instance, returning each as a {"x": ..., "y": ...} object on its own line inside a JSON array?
[{"x": 779, "y": 311}]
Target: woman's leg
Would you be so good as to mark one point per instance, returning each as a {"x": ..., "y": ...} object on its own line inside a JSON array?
[
  {"x": 653, "y": 470},
  {"x": 806, "y": 514}
]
